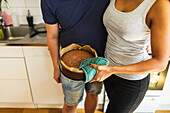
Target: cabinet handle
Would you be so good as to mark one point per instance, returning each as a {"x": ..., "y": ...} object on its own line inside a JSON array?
[
  {"x": 152, "y": 99},
  {"x": 107, "y": 99}
]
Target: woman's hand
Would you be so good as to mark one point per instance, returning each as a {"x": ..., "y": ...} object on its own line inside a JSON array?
[
  {"x": 103, "y": 72},
  {"x": 57, "y": 75}
]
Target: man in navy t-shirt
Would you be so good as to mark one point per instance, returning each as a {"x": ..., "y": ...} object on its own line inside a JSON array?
[{"x": 80, "y": 22}]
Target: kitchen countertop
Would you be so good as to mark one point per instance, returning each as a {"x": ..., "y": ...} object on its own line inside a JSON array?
[{"x": 38, "y": 40}]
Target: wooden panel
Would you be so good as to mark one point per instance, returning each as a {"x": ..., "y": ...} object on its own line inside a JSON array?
[
  {"x": 36, "y": 111},
  {"x": 162, "y": 111},
  {"x": 11, "y": 110},
  {"x": 52, "y": 111},
  {"x": 39, "y": 111}
]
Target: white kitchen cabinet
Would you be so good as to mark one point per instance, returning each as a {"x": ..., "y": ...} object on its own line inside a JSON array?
[
  {"x": 30, "y": 51},
  {"x": 165, "y": 100},
  {"x": 11, "y": 51},
  {"x": 17, "y": 91},
  {"x": 14, "y": 84},
  {"x": 45, "y": 89},
  {"x": 40, "y": 69},
  {"x": 150, "y": 102},
  {"x": 12, "y": 68}
]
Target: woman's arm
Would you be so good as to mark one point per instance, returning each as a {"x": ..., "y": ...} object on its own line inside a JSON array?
[
  {"x": 160, "y": 45},
  {"x": 52, "y": 41}
]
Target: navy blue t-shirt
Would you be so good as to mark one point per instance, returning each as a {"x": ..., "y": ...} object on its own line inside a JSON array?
[{"x": 80, "y": 21}]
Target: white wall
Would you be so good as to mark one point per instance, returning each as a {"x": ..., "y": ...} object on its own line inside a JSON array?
[{"x": 20, "y": 7}]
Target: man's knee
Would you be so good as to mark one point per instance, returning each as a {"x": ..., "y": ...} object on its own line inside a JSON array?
[
  {"x": 70, "y": 108},
  {"x": 91, "y": 95}
]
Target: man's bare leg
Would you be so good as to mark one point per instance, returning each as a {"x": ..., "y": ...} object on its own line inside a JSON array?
[
  {"x": 69, "y": 109},
  {"x": 90, "y": 103}
]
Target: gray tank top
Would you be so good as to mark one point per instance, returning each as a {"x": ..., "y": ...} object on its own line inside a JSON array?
[{"x": 128, "y": 36}]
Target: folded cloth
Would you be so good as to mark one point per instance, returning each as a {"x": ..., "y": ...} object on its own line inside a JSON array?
[
  {"x": 7, "y": 18},
  {"x": 89, "y": 71}
]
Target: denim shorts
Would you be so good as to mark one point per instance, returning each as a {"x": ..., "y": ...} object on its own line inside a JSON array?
[{"x": 74, "y": 90}]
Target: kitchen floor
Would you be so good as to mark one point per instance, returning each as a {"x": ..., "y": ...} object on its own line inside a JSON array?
[{"x": 6, "y": 110}]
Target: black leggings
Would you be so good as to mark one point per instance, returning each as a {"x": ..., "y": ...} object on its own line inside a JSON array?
[{"x": 125, "y": 95}]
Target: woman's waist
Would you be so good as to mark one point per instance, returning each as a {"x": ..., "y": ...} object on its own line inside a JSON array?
[
  {"x": 126, "y": 47},
  {"x": 126, "y": 52},
  {"x": 120, "y": 58}
]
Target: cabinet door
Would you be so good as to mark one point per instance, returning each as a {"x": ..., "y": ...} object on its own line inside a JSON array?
[
  {"x": 15, "y": 91},
  {"x": 11, "y": 51},
  {"x": 165, "y": 100},
  {"x": 12, "y": 68},
  {"x": 30, "y": 51},
  {"x": 44, "y": 88},
  {"x": 148, "y": 105}
]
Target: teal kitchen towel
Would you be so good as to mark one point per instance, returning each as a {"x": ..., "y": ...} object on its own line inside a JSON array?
[{"x": 89, "y": 71}]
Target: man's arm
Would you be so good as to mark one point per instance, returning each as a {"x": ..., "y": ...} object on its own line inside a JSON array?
[{"x": 52, "y": 41}]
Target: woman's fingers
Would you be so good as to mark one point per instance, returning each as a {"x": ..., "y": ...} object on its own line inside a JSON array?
[
  {"x": 93, "y": 80},
  {"x": 94, "y": 66},
  {"x": 98, "y": 76}
]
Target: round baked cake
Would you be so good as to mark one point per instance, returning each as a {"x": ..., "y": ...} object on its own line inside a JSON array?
[{"x": 74, "y": 58}]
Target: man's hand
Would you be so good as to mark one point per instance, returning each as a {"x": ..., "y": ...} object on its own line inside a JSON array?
[
  {"x": 103, "y": 72},
  {"x": 57, "y": 75}
]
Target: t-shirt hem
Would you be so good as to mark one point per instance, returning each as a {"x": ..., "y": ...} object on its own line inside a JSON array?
[{"x": 51, "y": 23}]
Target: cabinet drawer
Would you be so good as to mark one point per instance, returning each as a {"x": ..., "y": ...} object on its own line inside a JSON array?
[
  {"x": 36, "y": 51},
  {"x": 150, "y": 102},
  {"x": 165, "y": 100},
  {"x": 12, "y": 68},
  {"x": 148, "y": 105},
  {"x": 11, "y": 51},
  {"x": 15, "y": 91},
  {"x": 145, "y": 110}
]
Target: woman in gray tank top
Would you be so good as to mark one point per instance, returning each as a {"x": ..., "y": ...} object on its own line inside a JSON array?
[{"x": 131, "y": 26}]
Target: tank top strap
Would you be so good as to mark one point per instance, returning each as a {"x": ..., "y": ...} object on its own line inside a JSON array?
[{"x": 147, "y": 6}]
